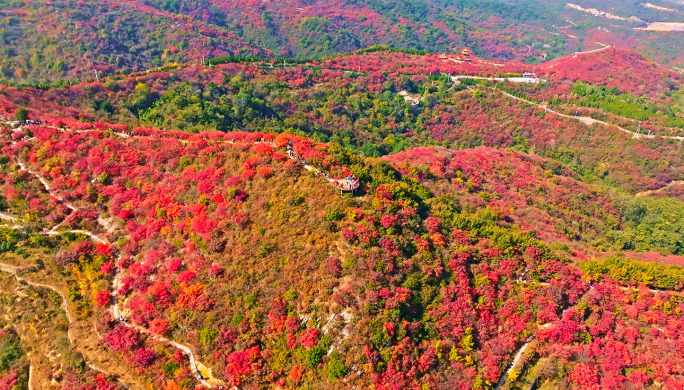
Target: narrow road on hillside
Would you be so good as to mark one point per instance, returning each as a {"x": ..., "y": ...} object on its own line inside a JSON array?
[
  {"x": 522, "y": 349},
  {"x": 651, "y": 192},
  {"x": 590, "y": 121},
  {"x": 14, "y": 270},
  {"x": 194, "y": 364},
  {"x": 576, "y": 55}
]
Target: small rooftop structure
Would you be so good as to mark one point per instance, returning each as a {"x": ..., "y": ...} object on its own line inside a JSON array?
[{"x": 462, "y": 56}]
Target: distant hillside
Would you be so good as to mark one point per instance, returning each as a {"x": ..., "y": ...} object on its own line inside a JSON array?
[
  {"x": 535, "y": 193},
  {"x": 618, "y": 86},
  {"x": 623, "y": 24},
  {"x": 313, "y": 28},
  {"x": 42, "y": 41},
  {"x": 625, "y": 70}
]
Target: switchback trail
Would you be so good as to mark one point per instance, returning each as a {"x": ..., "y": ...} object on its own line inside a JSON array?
[
  {"x": 194, "y": 364},
  {"x": 196, "y": 367},
  {"x": 14, "y": 270}
]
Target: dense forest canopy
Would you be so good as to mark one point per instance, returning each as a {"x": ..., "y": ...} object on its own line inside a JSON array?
[
  {"x": 332, "y": 195},
  {"x": 44, "y": 41}
]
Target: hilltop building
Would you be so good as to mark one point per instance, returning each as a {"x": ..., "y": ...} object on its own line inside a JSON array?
[{"x": 461, "y": 57}]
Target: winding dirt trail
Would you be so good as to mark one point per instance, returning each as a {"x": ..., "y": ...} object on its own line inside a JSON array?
[
  {"x": 46, "y": 185},
  {"x": 194, "y": 363},
  {"x": 650, "y": 192},
  {"x": 8, "y": 217},
  {"x": 117, "y": 314},
  {"x": 14, "y": 271},
  {"x": 590, "y": 121},
  {"x": 523, "y": 348},
  {"x": 196, "y": 367}
]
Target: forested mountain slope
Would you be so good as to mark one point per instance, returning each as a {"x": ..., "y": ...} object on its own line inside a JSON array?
[
  {"x": 535, "y": 193},
  {"x": 383, "y": 219},
  {"x": 43, "y": 41},
  {"x": 365, "y": 111},
  {"x": 508, "y": 29},
  {"x": 311, "y": 28},
  {"x": 543, "y": 196},
  {"x": 203, "y": 240}
]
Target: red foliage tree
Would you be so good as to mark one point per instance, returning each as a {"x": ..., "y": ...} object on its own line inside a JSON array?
[
  {"x": 122, "y": 338},
  {"x": 103, "y": 298},
  {"x": 160, "y": 327},
  {"x": 239, "y": 364},
  {"x": 144, "y": 357},
  {"x": 309, "y": 338}
]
